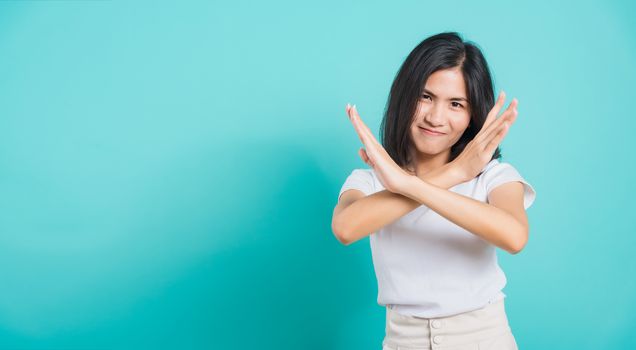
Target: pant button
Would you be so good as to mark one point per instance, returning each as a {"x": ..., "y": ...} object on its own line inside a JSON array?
[
  {"x": 437, "y": 324},
  {"x": 438, "y": 339}
]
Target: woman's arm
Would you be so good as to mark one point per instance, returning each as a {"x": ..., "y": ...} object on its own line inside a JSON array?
[
  {"x": 502, "y": 223},
  {"x": 358, "y": 217}
]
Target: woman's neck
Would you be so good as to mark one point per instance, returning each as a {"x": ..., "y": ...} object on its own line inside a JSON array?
[{"x": 426, "y": 162}]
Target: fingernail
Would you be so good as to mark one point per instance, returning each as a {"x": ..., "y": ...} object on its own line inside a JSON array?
[{"x": 354, "y": 107}]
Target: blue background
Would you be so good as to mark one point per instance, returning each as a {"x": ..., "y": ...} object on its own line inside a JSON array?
[{"x": 168, "y": 170}]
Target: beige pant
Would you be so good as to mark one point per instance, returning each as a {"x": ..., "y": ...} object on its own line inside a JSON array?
[{"x": 483, "y": 329}]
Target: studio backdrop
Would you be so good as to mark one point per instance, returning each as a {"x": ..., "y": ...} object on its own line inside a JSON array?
[{"x": 168, "y": 170}]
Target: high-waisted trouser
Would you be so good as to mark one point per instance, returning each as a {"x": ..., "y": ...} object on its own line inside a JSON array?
[{"x": 483, "y": 329}]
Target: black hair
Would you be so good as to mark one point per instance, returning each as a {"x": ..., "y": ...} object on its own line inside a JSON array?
[{"x": 441, "y": 51}]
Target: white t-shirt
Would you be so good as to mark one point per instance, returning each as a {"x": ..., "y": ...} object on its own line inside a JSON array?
[{"x": 426, "y": 265}]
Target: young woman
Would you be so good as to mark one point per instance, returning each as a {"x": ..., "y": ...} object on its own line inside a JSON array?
[{"x": 437, "y": 201}]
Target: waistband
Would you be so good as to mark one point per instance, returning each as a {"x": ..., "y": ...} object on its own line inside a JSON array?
[{"x": 414, "y": 332}]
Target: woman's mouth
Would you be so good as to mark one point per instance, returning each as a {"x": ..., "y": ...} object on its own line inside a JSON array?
[{"x": 430, "y": 132}]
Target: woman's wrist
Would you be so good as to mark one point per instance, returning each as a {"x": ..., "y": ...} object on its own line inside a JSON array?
[
  {"x": 454, "y": 173},
  {"x": 445, "y": 177}
]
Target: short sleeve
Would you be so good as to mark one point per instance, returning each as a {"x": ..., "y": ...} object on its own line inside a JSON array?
[
  {"x": 359, "y": 179},
  {"x": 502, "y": 173}
]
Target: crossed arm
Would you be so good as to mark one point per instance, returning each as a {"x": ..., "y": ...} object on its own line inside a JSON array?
[{"x": 502, "y": 222}]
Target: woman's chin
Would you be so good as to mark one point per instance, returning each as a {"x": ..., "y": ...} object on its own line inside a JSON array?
[{"x": 429, "y": 151}]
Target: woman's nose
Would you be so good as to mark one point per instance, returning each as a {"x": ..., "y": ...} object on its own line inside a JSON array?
[{"x": 434, "y": 116}]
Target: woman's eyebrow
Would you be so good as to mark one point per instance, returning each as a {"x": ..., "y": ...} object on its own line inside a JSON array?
[{"x": 450, "y": 99}]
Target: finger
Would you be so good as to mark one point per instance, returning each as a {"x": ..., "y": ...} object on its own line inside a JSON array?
[
  {"x": 507, "y": 118},
  {"x": 359, "y": 127},
  {"x": 514, "y": 116},
  {"x": 356, "y": 125},
  {"x": 349, "y": 111},
  {"x": 492, "y": 145},
  {"x": 369, "y": 135},
  {"x": 361, "y": 154},
  {"x": 365, "y": 157},
  {"x": 486, "y": 131},
  {"x": 353, "y": 111},
  {"x": 492, "y": 115}
]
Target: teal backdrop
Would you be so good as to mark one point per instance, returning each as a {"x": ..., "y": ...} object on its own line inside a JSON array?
[{"x": 168, "y": 170}]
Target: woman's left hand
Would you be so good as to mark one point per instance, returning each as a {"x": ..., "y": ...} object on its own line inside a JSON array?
[{"x": 392, "y": 177}]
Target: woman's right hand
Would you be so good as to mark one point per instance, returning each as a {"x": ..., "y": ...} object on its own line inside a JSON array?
[{"x": 478, "y": 152}]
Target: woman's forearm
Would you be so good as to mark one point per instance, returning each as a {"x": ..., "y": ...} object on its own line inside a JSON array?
[
  {"x": 482, "y": 219},
  {"x": 369, "y": 214}
]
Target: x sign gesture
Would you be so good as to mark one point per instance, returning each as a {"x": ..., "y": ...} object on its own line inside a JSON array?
[{"x": 393, "y": 177}]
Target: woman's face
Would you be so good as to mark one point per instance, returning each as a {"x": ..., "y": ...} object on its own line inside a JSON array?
[{"x": 442, "y": 107}]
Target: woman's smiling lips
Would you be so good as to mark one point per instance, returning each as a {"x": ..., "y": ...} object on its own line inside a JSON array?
[{"x": 430, "y": 132}]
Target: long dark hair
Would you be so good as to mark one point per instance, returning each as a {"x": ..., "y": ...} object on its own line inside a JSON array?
[{"x": 440, "y": 51}]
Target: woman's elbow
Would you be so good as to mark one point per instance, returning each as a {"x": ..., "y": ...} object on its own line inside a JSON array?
[
  {"x": 339, "y": 230},
  {"x": 519, "y": 242}
]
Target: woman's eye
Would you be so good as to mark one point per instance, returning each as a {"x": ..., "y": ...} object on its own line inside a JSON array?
[
  {"x": 457, "y": 104},
  {"x": 424, "y": 96}
]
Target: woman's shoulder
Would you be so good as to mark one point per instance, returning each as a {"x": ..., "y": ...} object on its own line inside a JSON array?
[
  {"x": 368, "y": 174},
  {"x": 495, "y": 166},
  {"x": 496, "y": 169},
  {"x": 363, "y": 173},
  {"x": 366, "y": 171},
  {"x": 492, "y": 164},
  {"x": 497, "y": 173},
  {"x": 362, "y": 179}
]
